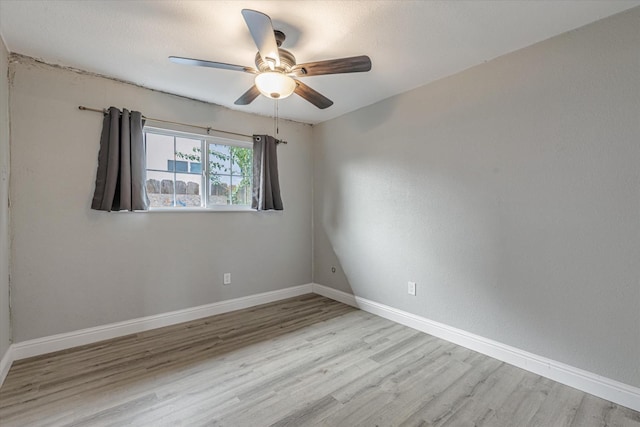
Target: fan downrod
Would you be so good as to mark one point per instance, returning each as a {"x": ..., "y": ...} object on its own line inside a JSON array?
[{"x": 280, "y": 37}]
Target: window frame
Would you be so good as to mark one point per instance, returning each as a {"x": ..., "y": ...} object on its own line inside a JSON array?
[{"x": 205, "y": 182}]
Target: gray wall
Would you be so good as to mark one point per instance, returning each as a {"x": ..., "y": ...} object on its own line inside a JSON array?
[
  {"x": 509, "y": 192},
  {"x": 76, "y": 268},
  {"x": 5, "y": 325}
]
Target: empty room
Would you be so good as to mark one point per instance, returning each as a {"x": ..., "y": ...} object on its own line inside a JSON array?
[{"x": 410, "y": 213}]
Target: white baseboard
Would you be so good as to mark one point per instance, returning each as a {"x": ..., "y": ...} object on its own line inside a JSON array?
[
  {"x": 5, "y": 363},
  {"x": 67, "y": 340},
  {"x": 335, "y": 294},
  {"x": 588, "y": 382}
]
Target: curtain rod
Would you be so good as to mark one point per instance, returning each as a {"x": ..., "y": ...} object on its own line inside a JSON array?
[{"x": 207, "y": 128}]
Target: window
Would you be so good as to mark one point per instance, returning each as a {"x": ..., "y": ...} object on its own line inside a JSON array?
[
  {"x": 177, "y": 165},
  {"x": 195, "y": 167},
  {"x": 177, "y": 176}
]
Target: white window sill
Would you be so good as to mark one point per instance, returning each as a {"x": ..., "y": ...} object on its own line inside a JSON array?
[{"x": 216, "y": 209}]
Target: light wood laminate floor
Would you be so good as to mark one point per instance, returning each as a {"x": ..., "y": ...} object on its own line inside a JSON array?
[{"x": 304, "y": 361}]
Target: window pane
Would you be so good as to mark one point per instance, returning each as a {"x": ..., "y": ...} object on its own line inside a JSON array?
[
  {"x": 219, "y": 159},
  {"x": 241, "y": 190},
  {"x": 187, "y": 188},
  {"x": 159, "y": 151},
  {"x": 219, "y": 186},
  {"x": 241, "y": 160},
  {"x": 187, "y": 150},
  {"x": 160, "y": 189}
]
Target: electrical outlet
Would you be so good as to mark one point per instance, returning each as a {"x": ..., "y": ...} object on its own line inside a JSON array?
[
  {"x": 226, "y": 280},
  {"x": 411, "y": 288}
]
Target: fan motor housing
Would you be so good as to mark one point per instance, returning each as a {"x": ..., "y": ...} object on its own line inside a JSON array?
[{"x": 287, "y": 62}]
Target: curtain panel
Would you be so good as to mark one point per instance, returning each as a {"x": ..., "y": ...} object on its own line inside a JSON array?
[
  {"x": 121, "y": 174},
  {"x": 266, "y": 185}
]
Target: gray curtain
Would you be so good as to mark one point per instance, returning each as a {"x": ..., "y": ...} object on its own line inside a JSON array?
[
  {"x": 121, "y": 175},
  {"x": 266, "y": 186}
]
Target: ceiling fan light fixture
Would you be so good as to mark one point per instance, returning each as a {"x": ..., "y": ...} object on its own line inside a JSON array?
[
  {"x": 277, "y": 71},
  {"x": 275, "y": 85}
]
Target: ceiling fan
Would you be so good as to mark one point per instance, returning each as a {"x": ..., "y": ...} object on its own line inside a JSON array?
[{"x": 276, "y": 70}]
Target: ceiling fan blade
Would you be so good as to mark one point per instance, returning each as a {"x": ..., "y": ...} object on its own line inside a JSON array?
[
  {"x": 316, "y": 98},
  {"x": 354, "y": 64},
  {"x": 248, "y": 97},
  {"x": 262, "y": 32},
  {"x": 210, "y": 64}
]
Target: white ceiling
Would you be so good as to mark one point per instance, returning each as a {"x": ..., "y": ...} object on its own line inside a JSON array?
[{"x": 410, "y": 43}]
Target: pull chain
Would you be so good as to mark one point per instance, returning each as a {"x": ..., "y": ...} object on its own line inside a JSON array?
[
  {"x": 276, "y": 122},
  {"x": 276, "y": 114}
]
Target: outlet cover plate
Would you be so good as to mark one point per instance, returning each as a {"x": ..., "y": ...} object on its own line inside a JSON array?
[
  {"x": 411, "y": 288},
  {"x": 226, "y": 279}
]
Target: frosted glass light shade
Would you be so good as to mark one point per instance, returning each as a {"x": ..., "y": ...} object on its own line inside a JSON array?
[{"x": 275, "y": 85}]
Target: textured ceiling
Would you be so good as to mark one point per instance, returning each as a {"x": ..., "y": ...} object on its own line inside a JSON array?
[{"x": 410, "y": 43}]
